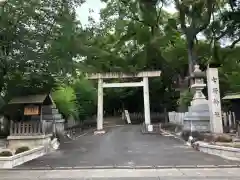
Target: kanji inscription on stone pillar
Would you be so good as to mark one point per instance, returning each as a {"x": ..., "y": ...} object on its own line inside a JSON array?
[{"x": 214, "y": 100}]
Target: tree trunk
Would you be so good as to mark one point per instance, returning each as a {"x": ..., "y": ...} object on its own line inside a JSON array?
[
  {"x": 165, "y": 115},
  {"x": 2, "y": 81},
  {"x": 191, "y": 58}
]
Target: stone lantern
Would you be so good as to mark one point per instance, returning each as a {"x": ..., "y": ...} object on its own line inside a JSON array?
[{"x": 198, "y": 117}]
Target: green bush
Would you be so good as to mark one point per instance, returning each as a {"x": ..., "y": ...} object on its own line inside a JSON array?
[
  {"x": 21, "y": 149},
  {"x": 185, "y": 98},
  {"x": 223, "y": 138},
  {"x": 217, "y": 138},
  {"x": 6, "y": 153},
  {"x": 195, "y": 134},
  {"x": 65, "y": 99},
  {"x": 77, "y": 100},
  {"x": 86, "y": 96}
]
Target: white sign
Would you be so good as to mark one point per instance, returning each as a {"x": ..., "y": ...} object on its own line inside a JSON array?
[
  {"x": 214, "y": 100},
  {"x": 127, "y": 116},
  {"x": 150, "y": 128}
]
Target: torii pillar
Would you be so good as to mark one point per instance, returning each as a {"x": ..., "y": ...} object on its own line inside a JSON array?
[
  {"x": 100, "y": 105},
  {"x": 146, "y": 101}
]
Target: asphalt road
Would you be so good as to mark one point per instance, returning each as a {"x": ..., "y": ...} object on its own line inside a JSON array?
[{"x": 124, "y": 147}]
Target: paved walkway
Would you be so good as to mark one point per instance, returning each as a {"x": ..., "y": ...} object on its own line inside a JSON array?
[
  {"x": 126, "y": 174},
  {"x": 124, "y": 147}
]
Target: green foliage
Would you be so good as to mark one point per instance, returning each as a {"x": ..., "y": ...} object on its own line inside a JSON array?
[
  {"x": 5, "y": 154},
  {"x": 229, "y": 72},
  {"x": 185, "y": 98},
  {"x": 66, "y": 101},
  {"x": 194, "y": 17},
  {"x": 78, "y": 99},
  {"x": 132, "y": 36},
  {"x": 86, "y": 97},
  {"x": 22, "y": 149},
  {"x": 226, "y": 24},
  {"x": 38, "y": 43}
]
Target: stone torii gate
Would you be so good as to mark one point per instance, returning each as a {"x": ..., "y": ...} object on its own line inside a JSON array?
[{"x": 144, "y": 83}]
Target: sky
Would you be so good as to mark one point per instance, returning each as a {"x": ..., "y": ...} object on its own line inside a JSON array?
[
  {"x": 83, "y": 11},
  {"x": 96, "y": 5}
]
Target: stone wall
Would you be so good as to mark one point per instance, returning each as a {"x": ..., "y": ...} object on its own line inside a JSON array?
[
  {"x": 59, "y": 126},
  {"x": 15, "y": 142},
  {"x": 52, "y": 114},
  {"x": 222, "y": 151},
  {"x": 201, "y": 125},
  {"x": 18, "y": 159}
]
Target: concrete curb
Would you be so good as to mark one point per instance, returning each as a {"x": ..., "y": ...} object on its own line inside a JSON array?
[
  {"x": 189, "y": 144},
  {"x": 112, "y": 126},
  {"x": 174, "y": 135},
  {"x": 229, "y": 153},
  {"x": 75, "y": 138},
  {"x": 126, "y": 167},
  {"x": 82, "y": 134}
]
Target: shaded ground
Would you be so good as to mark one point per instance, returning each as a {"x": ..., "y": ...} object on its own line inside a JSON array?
[{"x": 125, "y": 146}]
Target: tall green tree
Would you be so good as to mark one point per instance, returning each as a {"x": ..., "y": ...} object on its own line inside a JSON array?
[
  {"x": 194, "y": 17},
  {"x": 38, "y": 43},
  {"x": 131, "y": 39}
]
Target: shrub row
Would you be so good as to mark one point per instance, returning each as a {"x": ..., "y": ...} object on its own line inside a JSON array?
[{"x": 18, "y": 150}]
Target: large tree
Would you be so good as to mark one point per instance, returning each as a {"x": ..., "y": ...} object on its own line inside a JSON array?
[
  {"x": 38, "y": 43},
  {"x": 130, "y": 39},
  {"x": 42, "y": 44}
]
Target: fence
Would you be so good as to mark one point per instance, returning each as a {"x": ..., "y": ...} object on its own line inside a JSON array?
[
  {"x": 176, "y": 117},
  {"x": 47, "y": 126},
  {"x": 30, "y": 128},
  {"x": 138, "y": 117},
  {"x": 228, "y": 119}
]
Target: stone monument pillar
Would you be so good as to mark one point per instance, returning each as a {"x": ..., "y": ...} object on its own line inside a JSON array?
[
  {"x": 214, "y": 100},
  {"x": 198, "y": 115}
]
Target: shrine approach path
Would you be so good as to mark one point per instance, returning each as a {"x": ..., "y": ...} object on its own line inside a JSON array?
[{"x": 124, "y": 146}]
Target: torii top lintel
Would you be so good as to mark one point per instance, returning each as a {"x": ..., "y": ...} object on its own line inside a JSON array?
[{"x": 116, "y": 75}]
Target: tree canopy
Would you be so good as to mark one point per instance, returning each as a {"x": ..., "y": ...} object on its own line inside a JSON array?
[{"x": 45, "y": 48}]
